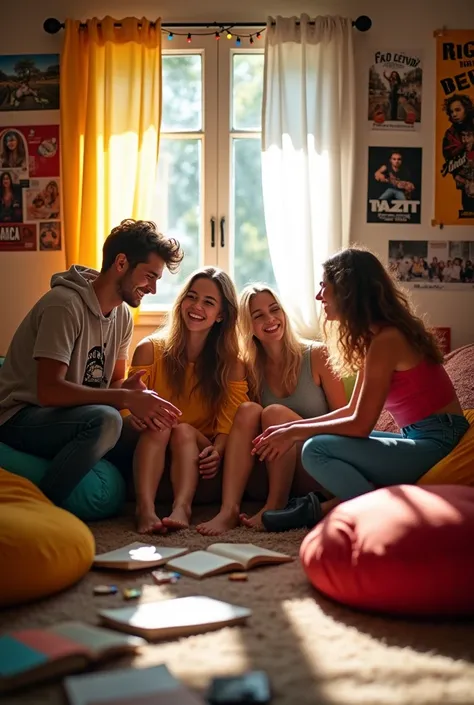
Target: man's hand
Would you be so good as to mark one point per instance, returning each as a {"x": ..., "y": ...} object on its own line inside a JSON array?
[
  {"x": 209, "y": 462},
  {"x": 135, "y": 381},
  {"x": 151, "y": 409}
]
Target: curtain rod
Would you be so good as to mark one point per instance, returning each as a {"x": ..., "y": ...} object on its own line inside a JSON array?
[{"x": 53, "y": 25}]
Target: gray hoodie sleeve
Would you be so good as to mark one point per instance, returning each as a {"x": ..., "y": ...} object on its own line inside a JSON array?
[
  {"x": 126, "y": 338},
  {"x": 58, "y": 330}
]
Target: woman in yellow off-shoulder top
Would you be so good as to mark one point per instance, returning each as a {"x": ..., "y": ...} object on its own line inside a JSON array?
[{"x": 195, "y": 365}]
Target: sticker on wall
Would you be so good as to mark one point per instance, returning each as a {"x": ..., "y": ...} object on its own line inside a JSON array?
[
  {"x": 395, "y": 90},
  {"x": 18, "y": 237},
  {"x": 394, "y": 185},
  {"x": 436, "y": 264},
  {"x": 50, "y": 236},
  {"x": 454, "y": 181},
  {"x": 29, "y": 82}
]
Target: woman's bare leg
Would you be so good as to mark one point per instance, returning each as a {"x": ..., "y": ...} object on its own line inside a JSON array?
[
  {"x": 148, "y": 467},
  {"x": 238, "y": 464},
  {"x": 185, "y": 443},
  {"x": 280, "y": 471}
]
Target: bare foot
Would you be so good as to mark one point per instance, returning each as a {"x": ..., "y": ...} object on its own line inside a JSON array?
[
  {"x": 226, "y": 520},
  {"x": 254, "y": 522},
  {"x": 178, "y": 519},
  {"x": 149, "y": 523}
]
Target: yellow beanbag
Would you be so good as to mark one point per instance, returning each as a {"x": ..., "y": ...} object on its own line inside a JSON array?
[
  {"x": 43, "y": 549},
  {"x": 457, "y": 468}
]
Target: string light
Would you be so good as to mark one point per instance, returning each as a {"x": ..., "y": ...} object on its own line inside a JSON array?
[{"x": 217, "y": 34}]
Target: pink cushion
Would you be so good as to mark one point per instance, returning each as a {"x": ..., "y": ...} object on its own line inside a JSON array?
[{"x": 403, "y": 550}]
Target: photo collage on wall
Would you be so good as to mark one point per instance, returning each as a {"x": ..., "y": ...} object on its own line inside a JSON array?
[
  {"x": 394, "y": 183},
  {"x": 30, "y": 183}
]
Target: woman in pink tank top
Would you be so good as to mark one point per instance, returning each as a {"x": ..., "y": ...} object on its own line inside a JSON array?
[{"x": 371, "y": 330}]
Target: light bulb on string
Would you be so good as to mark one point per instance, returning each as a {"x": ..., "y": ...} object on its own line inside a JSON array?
[
  {"x": 229, "y": 35},
  {"x": 259, "y": 36},
  {"x": 238, "y": 42},
  {"x": 189, "y": 39},
  {"x": 251, "y": 39},
  {"x": 218, "y": 36},
  {"x": 170, "y": 36}
]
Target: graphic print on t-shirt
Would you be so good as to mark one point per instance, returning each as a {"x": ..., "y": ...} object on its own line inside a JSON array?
[{"x": 94, "y": 372}]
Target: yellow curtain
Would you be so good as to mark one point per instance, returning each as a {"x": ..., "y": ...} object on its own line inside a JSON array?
[{"x": 110, "y": 121}]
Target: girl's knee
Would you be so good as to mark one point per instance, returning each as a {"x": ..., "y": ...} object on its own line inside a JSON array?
[
  {"x": 275, "y": 414},
  {"x": 182, "y": 433},
  {"x": 247, "y": 414},
  {"x": 317, "y": 447}
]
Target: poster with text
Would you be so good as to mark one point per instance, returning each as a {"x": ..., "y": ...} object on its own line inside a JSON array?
[
  {"x": 29, "y": 82},
  {"x": 394, "y": 185},
  {"x": 395, "y": 90},
  {"x": 433, "y": 264},
  {"x": 30, "y": 187},
  {"x": 454, "y": 181},
  {"x": 18, "y": 237}
]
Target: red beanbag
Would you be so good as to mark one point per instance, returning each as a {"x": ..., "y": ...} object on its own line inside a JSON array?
[{"x": 402, "y": 550}]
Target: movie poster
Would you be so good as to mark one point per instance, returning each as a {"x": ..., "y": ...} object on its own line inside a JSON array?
[
  {"x": 436, "y": 264},
  {"x": 30, "y": 187},
  {"x": 454, "y": 181},
  {"x": 395, "y": 90},
  {"x": 29, "y": 82},
  {"x": 394, "y": 185}
]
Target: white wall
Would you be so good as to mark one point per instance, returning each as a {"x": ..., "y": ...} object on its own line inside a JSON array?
[{"x": 407, "y": 25}]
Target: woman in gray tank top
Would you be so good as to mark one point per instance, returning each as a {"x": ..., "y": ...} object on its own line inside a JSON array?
[{"x": 288, "y": 380}]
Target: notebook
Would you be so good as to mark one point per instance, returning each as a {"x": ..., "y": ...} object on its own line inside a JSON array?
[
  {"x": 137, "y": 556},
  {"x": 129, "y": 686},
  {"x": 176, "y": 617},
  {"x": 224, "y": 558},
  {"x": 32, "y": 655}
]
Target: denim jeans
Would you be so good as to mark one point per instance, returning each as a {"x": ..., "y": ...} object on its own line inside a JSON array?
[
  {"x": 348, "y": 467},
  {"x": 73, "y": 438},
  {"x": 392, "y": 194}
]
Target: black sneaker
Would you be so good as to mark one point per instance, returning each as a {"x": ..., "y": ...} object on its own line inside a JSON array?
[{"x": 300, "y": 513}]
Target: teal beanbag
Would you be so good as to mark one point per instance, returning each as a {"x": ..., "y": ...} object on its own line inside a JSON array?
[{"x": 99, "y": 495}]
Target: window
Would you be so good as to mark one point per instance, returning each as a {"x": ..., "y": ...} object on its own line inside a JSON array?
[{"x": 209, "y": 190}]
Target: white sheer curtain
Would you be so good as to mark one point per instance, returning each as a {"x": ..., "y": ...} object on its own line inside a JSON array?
[{"x": 308, "y": 153}]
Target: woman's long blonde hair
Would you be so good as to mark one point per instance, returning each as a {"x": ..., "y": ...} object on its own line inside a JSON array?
[
  {"x": 221, "y": 349},
  {"x": 252, "y": 351},
  {"x": 365, "y": 296}
]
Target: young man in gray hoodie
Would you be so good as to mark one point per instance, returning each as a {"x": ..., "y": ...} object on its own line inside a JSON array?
[{"x": 63, "y": 384}]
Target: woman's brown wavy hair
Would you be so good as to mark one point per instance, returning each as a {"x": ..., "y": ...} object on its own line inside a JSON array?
[
  {"x": 365, "y": 295},
  {"x": 220, "y": 352}
]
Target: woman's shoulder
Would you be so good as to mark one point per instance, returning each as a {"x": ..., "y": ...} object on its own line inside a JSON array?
[
  {"x": 146, "y": 350},
  {"x": 319, "y": 354}
]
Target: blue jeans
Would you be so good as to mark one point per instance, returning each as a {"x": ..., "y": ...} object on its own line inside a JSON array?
[
  {"x": 392, "y": 194},
  {"x": 348, "y": 467},
  {"x": 73, "y": 438}
]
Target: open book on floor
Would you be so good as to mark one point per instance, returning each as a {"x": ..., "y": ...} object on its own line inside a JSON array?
[
  {"x": 130, "y": 686},
  {"x": 137, "y": 556},
  {"x": 225, "y": 557},
  {"x": 33, "y": 655},
  {"x": 176, "y": 617}
]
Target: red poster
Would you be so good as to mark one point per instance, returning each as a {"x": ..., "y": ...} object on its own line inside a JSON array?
[
  {"x": 31, "y": 151},
  {"x": 18, "y": 237}
]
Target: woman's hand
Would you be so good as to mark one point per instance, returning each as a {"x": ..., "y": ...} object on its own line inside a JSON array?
[
  {"x": 274, "y": 442},
  {"x": 209, "y": 462}
]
